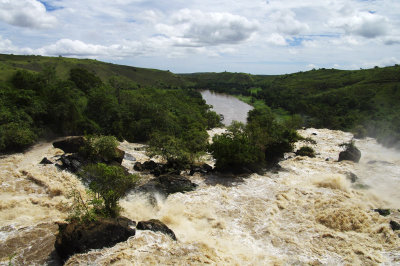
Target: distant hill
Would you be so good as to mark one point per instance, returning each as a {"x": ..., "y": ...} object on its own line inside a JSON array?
[
  {"x": 365, "y": 101},
  {"x": 9, "y": 64}
]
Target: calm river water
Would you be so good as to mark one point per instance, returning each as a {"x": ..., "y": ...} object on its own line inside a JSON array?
[{"x": 230, "y": 107}]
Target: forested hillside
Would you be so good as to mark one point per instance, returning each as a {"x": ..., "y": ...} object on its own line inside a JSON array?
[
  {"x": 366, "y": 102},
  {"x": 49, "y": 103}
]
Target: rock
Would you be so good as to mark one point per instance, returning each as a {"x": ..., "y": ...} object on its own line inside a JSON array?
[
  {"x": 383, "y": 212},
  {"x": 156, "y": 226},
  {"x": 157, "y": 169},
  {"x": 168, "y": 184},
  {"x": 352, "y": 177},
  {"x": 71, "y": 162},
  {"x": 81, "y": 237},
  {"x": 203, "y": 169},
  {"x": 70, "y": 145},
  {"x": 138, "y": 167},
  {"x": 120, "y": 154},
  {"x": 394, "y": 225},
  {"x": 350, "y": 154},
  {"x": 45, "y": 161}
]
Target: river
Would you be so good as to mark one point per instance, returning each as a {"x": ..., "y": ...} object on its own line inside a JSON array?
[
  {"x": 308, "y": 213},
  {"x": 230, "y": 107}
]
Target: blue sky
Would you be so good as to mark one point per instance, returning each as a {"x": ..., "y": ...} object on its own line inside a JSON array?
[{"x": 260, "y": 37}]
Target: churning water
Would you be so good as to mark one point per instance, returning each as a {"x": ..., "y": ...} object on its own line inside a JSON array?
[{"x": 308, "y": 213}]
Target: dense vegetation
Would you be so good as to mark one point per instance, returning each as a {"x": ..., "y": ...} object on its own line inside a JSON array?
[
  {"x": 366, "y": 102},
  {"x": 261, "y": 140},
  {"x": 34, "y": 105}
]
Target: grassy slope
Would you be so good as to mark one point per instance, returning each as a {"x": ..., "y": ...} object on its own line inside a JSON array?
[{"x": 9, "y": 64}]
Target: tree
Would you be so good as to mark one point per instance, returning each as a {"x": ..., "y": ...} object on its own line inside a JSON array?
[{"x": 109, "y": 183}]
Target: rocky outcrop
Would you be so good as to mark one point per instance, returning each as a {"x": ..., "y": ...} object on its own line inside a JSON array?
[
  {"x": 72, "y": 162},
  {"x": 157, "y": 169},
  {"x": 78, "y": 237},
  {"x": 202, "y": 169},
  {"x": 383, "y": 212},
  {"x": 168, "y": 184},
  {"x": 156, "y": 226},
  {"x": 70, "y": 145},
  {"x": 350, "y": 154},
  {"x": 45, "y": 161},
  {"x": 394, "y": 225}
]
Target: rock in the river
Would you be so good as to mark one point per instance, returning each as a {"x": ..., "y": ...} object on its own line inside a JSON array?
[
  {"x": 45, "y": 161},
  {"x": 203, "y": 169},
  {"x": 70, "y": 145},
  {"x": 350, "y": 154},
  {"x": 383, "y": 212},
  {"x": 71, "y": 162},
  {"x": 156, "y": 226},
  {"x": 168, "y": 184},
  {"x": 157, "y": 169},
  {"x": 394, "y": 225},
  {"x": 81, "y": 237}
]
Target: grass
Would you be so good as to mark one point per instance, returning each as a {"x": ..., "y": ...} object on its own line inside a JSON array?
[{"x": 9, "y": 64}]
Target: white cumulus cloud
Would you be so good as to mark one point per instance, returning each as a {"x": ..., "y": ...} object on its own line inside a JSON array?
[
  {"x": 362, "y": 23},
  {"x": 26, "y": 13},
  {"x": 197, "y": 28}
]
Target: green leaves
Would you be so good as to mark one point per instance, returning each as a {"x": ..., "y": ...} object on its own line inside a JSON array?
[{"x": 108, "y": 182}]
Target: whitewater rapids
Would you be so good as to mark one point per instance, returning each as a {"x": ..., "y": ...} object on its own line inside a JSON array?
[{"x": 308, "y": 213}]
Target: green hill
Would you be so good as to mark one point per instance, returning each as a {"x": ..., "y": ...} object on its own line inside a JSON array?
[
  {"x": 134, "y": 76},
  {"x": 365, "y": 101}
]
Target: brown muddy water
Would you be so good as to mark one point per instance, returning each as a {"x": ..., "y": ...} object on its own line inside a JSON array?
[
  {"x": 230, "y": 107},
  {"x": 308, "y": 213}
]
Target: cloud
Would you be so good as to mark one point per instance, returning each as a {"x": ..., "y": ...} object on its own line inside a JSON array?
[
  {"x": 198, "y": 28},
  {"x": 392, "y": 40},
  {"x": 285, "y": 22},
  {"x": 276, "y": 39},
  {"x": 67, "y": 47},
  {"x": 361, "y": 23},
  {"x": 26, "y": 13}
]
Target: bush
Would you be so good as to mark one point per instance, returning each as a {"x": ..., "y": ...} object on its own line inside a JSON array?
[
  {"x": 16, "y": 136},
  {"x": 100, "y": 148},
  {"x": 306, "y": 151},
  {"x": 235, "y": 149},
  {"x": 109, "y": 183}
]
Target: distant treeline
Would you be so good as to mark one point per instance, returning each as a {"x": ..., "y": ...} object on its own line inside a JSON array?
[{"x": 366, "y": 102}]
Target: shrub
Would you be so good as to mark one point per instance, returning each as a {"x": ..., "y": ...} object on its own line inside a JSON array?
[
  {"x": 306, "y": 151},
  {"x": 100, "y": 148},
  {"x": 109, "y": 183}
]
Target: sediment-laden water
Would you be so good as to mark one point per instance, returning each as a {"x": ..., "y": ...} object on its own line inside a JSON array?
[
  {"x": 230, "y": 107},
  {"x": 307, "y": 213}
]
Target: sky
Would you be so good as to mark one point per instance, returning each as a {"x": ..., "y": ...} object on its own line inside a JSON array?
[{"x": 185, "y": 36}]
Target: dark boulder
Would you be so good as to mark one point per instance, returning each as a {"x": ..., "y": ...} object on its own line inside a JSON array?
[
  {"x": 78, "y": 237},
  {"x": 45, "y": 161},
  {"x": 383, "y": 212},
  {"x": 350, "y": 154},
  {"x": 72, "y": 162},
  {"x": 156, "y": 226},
  {"x": 156, "y": 169},
  {"x": 394, "y": 225},
  {"x": 168, "y": 184},
  {"x": 70, "y": 145},
  {"x": 203, "y": 169}
]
